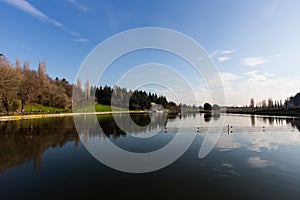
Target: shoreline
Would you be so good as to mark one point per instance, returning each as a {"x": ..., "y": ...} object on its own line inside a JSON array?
[
  {"x": 39, "y": 116},
  {"x": 271, "y": 114}
]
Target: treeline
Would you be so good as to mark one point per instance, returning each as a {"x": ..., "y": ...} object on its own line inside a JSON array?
[
  {"x": 267, "y": 104},
  {"x": 138, "y": 100},
  {"x": 20, "y": 86},
  {"x": 290, "y": 102}
]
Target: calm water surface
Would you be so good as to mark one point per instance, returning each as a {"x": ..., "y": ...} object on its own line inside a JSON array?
[{"x": 256, "y": 158}]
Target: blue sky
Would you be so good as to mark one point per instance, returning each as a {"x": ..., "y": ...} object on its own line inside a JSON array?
[{"x": 254, "y": 44}]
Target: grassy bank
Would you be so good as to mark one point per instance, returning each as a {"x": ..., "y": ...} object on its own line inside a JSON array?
[
  {"x": 37, "y": 108},
  {"x": 99, "y": 108},
  {"x": 41, "y": 109}
]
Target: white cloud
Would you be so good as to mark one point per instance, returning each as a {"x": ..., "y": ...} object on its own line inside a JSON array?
[
  {"x": 216, "y": 52},
  {"x": 78, "y": 6},
  {"x": 226, "y": 76},
  {"x": 258, "y": 85},
  {"x": 222, "y": 52},
  {"x": 83, "y": 40},
  {"x": 223, "y": 58},
  {"x": 222, "y": 55},
  {"x": 31, "y": 10},
  {"x": 74, "y": 33},
  {"x": 256, "y": 76},
  {"x": 269, "y": 74},
  {"x": 228, "y": 51},
  {"x": 251, "y": 72},
  {"x": 253, "y": 61},
  {"x": 239, "y": 88}
]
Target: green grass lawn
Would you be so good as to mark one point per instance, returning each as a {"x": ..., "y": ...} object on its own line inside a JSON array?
[
  {"x": 36, "y": 108},
  {"x": 99, "y": 108}
]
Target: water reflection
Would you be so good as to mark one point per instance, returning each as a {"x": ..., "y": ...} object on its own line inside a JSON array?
[
  {"x": 27, "y": 140},
  {"x": 294, "y": 123},
  {"x": 207, "y": 117},
  {"x": 252, "y": 120},
  {"x": 276, "y": 121},
  {"x": 216, "y": 115},
  {"x": 257, "y": 162},
  {"x": 270, "y": 134},
  {"x": 111, "y": 129}
]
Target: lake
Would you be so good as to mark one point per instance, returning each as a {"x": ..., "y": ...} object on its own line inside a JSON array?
[{"x": 255, "y": 157}]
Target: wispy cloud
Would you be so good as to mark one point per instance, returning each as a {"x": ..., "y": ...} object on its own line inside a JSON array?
[
  {"x": 228, "y": 79},
  {"x": 78, "y": 6},
  {"x": 269, "y": 74},
  {"x": 216, "y": 52},
  {"x": 251, "y": 72},
  {"x": 228, "y": 51},
  {"x": 31, "y": 10},
  {"x": 258, "y": 85},
  {"x": 74, "y": 33},
  {"x": 223, "y": 58},
  {"x": 222, "y": 55},
  {"x": 255, "y": 76},
  {"x": 83, "y": 40},
  {"x": 227, "y": 76},
  {"x": 254, "y": 61}
]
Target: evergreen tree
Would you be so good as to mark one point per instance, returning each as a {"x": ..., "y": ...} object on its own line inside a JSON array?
[{"x": 207, "y": 106}]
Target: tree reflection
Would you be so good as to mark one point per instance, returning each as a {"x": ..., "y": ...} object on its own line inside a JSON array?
[
  {"x": 27, "y": 140},
  {"x": 207, "y": 117},
  {"x": 216, "y": 116},
  {"x": 295, "y": 123},
  {"x": 252, "y": 120},
  {"x": 110, "y": 127},
  {"x": 271, "y": 120}
]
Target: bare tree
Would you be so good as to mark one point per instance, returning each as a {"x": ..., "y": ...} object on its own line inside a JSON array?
[
  {"x": 251, "y": 103},
  {"x": 58, "y": 97},
  {"x": 270, "y": 103},
  {"x": 28, "y": 87},
  {"x": 24, "y": 86},
  {"x": 42, "y": 71},
  {"x": 78, "y": 94},
  {"x": 18, "y": 65},
  {"x": 87, "y": 90},
  {"x": 264, "y": 104},
  {"x": 9, "y": 83},
  {"x": 26, "y": 65}
]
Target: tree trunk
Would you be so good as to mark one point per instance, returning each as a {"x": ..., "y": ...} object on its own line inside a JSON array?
[
  {"x": 22, "y": 105},
  {"x": 6, "y": 105}
]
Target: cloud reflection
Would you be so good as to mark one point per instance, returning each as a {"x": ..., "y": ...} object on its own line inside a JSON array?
[{"x": 258, "y": 162}]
